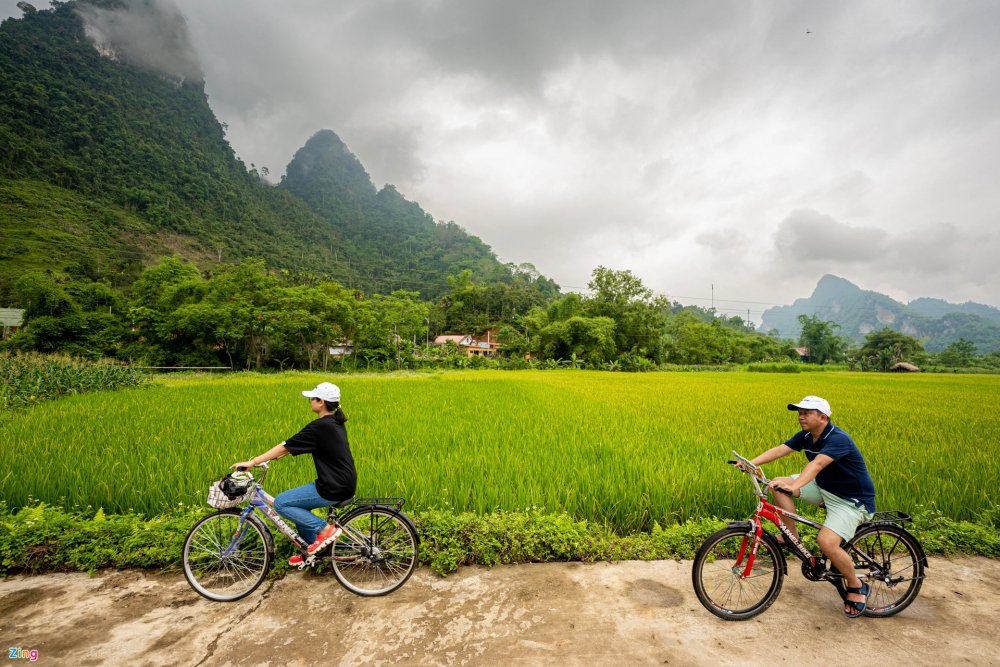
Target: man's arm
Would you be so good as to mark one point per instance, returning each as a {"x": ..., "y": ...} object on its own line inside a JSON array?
[
  {"x": 809, "y": 473},
  {"x": 773, "y": 454}
]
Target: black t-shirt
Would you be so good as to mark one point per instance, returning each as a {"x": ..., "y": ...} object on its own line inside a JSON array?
[{"x": 326, "y": 440}]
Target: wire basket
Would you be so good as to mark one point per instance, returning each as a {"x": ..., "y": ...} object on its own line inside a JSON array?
[{"x": 219, "y": 499}]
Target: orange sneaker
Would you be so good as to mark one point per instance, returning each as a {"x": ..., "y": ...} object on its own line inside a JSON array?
[
  {"x": 296, "y": 560},
  {"x": 326, "y": 537}
]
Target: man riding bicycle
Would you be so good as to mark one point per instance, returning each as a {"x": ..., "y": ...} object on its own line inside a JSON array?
[{"x": 835, "y": 477}]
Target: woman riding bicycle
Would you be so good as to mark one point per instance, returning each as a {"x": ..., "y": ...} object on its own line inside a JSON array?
[
  {"x": 336, "y": 479},
  {"x": 835, "y": 477}
]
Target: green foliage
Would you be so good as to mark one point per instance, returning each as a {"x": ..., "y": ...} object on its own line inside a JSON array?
[
  {"x": 885, "y": 347},
  {"x": 774, "y": 368},
  {"x": 939, "y": 534},
  {"x": 820, "y": 338},
  {"x": 43, "y": 538},
  {"x": 959, "y": 354},
  {"x": 28, "y": 379}
]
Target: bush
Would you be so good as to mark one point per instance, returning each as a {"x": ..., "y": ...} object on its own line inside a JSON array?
[{"x": 774, "y": 368}]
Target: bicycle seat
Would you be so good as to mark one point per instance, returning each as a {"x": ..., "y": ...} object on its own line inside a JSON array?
[{"x": 342, "y": 503}]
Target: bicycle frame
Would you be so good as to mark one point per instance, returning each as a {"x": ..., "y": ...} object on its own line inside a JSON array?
[
  {"x": 774, "y": 514},
  {"x": 262, "y": 503}
]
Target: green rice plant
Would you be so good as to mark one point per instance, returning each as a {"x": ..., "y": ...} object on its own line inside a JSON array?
[{"x": 623, "y": 450}]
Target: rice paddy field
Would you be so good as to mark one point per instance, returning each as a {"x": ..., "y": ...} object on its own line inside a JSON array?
[{"x": 622, "y": 449}]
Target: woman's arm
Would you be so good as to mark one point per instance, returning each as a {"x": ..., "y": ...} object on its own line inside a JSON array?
[{"x": 275, "y": 452}]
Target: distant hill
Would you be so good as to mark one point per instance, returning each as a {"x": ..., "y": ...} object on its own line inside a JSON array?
[
  {"x": 934, "y": 322},
  {"x": 109, "y": 161}
]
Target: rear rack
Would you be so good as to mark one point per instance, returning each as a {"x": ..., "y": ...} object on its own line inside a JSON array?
[
  {"x": 892, "y": 516},
  {"x": 390, "y": 502}
]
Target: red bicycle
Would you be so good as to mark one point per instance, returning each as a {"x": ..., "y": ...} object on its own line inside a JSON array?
[{"x": 739, "y": 570}]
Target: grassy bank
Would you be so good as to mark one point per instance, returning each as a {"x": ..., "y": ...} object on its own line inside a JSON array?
[{"x": 44, "y": 538}]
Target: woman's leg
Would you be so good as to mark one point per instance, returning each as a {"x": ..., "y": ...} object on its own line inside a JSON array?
[{"x": 294, "y": 505}]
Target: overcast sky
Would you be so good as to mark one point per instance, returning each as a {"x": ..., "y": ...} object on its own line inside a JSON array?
[{"x": 753, "y": 146}]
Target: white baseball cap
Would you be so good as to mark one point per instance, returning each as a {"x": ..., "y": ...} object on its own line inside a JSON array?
[
  {"x": 812, "y": 403},
  {"x": 325, "y": 390}
]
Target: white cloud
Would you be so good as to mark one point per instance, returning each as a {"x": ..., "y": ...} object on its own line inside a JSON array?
[{"x": 697, "y": 144}]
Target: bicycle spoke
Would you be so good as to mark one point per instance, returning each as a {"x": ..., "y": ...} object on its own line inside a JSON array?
[
  {"x": 226, "y": 556},
  {"x": 719, "y": 580},
  {"x": 377, "y": 552}
]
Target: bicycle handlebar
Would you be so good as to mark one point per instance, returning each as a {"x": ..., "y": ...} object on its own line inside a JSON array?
[
  {"x": 262, "y": 464},
  {"x": 758, "y": 474}
]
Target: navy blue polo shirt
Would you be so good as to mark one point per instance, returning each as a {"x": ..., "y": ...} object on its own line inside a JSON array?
[{"x": 848, "y": 475}]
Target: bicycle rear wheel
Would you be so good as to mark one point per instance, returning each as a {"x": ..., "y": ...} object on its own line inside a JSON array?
[
  {"x": 898, "y": 572},
  {"x": 225, "y": 560},
  {"x": 719, "y": 580},
  {"x": 377, "y": 552}
]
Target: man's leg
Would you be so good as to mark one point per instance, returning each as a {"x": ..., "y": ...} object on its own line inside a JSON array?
[
  {"x": 829, "y": 542},
  {"x": 842, "y": 520},
  {"x": 785, "y": 502}
]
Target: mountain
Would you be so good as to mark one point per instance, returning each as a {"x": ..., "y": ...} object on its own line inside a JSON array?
[
  {"x": 934, "y": 322},
  {"x": 110, "y": 160},
  {"x": 409, "y": 247}
]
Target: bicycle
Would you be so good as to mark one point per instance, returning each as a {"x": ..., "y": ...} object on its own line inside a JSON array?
[
  {"x": 228, "y": 553},
  {"x": 738, "y": 571}
]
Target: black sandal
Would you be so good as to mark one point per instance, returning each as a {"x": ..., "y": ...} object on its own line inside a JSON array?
[{"x": 857, "y": 608}]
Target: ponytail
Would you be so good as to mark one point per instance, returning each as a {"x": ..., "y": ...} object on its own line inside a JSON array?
[{"x": 334, "y": 408}]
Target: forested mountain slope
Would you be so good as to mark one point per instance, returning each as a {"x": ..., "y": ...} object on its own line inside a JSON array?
[{"x": 108, "y": 161}]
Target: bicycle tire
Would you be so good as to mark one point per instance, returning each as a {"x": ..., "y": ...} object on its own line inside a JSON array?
[
  {"x": 900, "y": 574},
  {"x": 223, "y": 577},
  {"x": 718, "y": 578},
  {"x": 383, "y": 559}
]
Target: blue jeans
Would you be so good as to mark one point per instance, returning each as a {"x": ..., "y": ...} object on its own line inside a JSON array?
[{"x": 294, "y": 505}]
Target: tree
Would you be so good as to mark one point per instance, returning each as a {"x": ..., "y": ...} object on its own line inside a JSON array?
[
  {"x": 885, "y": 347},
  {"x": 579, "y": 339},
  {"x": 821, "y": 339},
  {"x": 617, "y": 287},
  {"x": 959, "y": 354}
]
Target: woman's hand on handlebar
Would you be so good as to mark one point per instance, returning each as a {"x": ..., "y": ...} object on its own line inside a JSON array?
[{"x": 243, "y": 465}]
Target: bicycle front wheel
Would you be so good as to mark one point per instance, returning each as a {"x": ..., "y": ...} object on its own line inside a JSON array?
[
  {"x": 226, "y": 559},
  {"x": 377, "y": 552},
  {"x": 894, "y": 567},
  {"x": 721, "y": 581}
]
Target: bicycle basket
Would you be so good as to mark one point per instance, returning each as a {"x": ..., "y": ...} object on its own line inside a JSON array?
[{"x": 229, "y": 492}]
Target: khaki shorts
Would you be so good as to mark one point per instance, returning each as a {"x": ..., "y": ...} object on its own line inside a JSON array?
[{"x": 842, "y": 516}]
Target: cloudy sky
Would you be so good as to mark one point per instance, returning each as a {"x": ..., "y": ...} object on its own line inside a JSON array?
[{"x": 738, "y": 149}]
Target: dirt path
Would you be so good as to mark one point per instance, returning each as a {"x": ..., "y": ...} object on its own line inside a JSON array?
[{"x": 549, "y": 614}]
